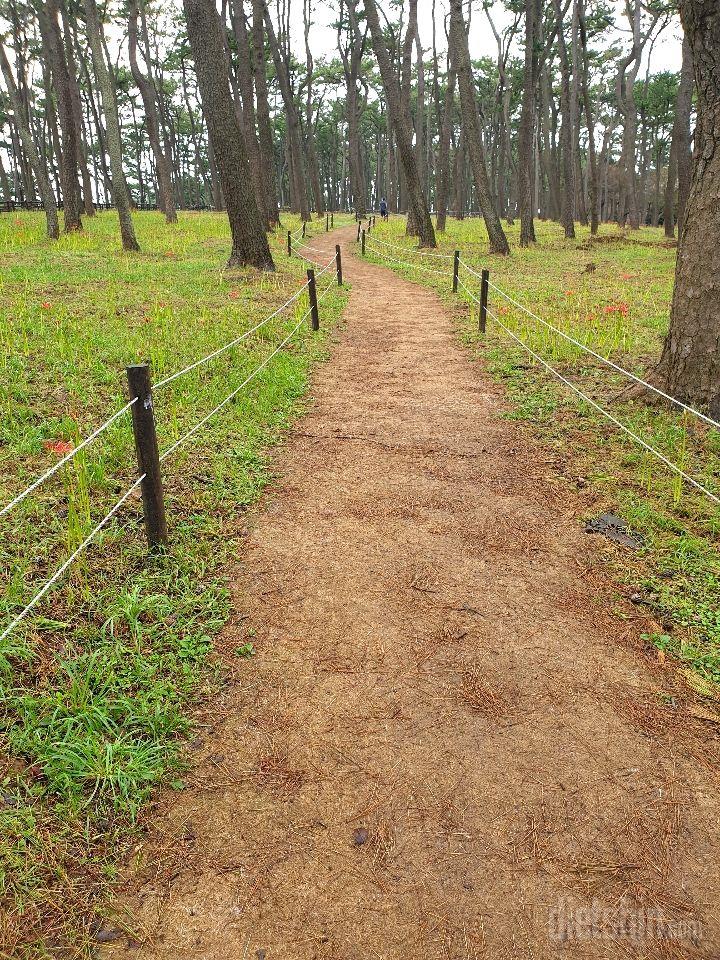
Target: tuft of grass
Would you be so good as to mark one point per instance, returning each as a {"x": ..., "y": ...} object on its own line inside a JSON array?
[
  {"x": 611, "y": 293},
  {"x": 99, "y": 685}
]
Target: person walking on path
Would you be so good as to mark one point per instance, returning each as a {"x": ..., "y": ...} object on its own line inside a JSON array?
[{"x": 384, "y": 209}]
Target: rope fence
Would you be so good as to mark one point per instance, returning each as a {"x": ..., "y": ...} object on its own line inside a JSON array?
[
  {"x": 149, "y": 458},
  {"x": 484, "y": 312}
]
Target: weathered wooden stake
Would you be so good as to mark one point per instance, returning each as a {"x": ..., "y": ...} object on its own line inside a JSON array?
[
  {"x": 289, "y": 244},
  {"x": 359, "y": 228},
  {"x": 303, "y": 233},
  {"x": 363, "y": 243},
  {"x": 456, "y": 270},
  {"x": 484, "y": 289},
  {"x": 146, "y": 446},
  {"x": 312, "y": 292},
  {"x": 332, "y": 219},
  {"x": 327, "y": 222},
  {"x": 338, "y": 264}
]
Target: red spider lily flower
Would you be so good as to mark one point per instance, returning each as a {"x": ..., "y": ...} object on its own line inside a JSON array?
[
  {"x": 627, "y": 276},
  {"x": 61, "y": 447},
  {"x": 234, "y": 294},
  {"x": 46, "y": 305},
  {"x": 569, "y": 293},
  {"x": 18, "y": 222}
]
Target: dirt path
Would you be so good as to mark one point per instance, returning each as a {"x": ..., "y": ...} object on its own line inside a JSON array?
[{"x": 443, "y": 746}]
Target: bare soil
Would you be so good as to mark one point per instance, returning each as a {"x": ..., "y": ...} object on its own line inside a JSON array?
[{"x": 447, "y": 742}]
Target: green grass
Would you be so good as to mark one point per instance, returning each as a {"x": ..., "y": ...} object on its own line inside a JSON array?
[
  {"x": 98, "y": 684},
  {"x": 612, "y": 294}
]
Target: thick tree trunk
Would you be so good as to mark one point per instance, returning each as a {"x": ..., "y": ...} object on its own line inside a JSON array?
[
  {"x": 691, "y": 357},
  {"x": 311, "y": 153},
  {"x": 82, "y": 157},
  {"x": 205, "y": 33},
  {"x": 403, "y": 133},
  {"x": 147, "y": 92},
  {"x": 55, "y": 53},
  {"x": 46, "y": 194},
  {"x": 106, "y": 85},
  {"x": 471, "y": 128},
  {"x": 680, "y": 163}
]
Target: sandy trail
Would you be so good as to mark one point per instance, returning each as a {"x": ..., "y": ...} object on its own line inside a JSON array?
[{"x": 442, "y": 748}]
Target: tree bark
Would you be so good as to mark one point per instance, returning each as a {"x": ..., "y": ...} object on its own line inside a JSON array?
[
  {"x": 351, "y": 56},
  {"x": 265, "y": 136},
  {"x": 55, "y": 53},
  {"x": 106, "y": 85},
  {"x": 471, "y": 128},
  {"x": 401, "y": 127},
  {"x": 566, "y": 133},
  {"x": 205, "y": 33},
  {"x": 526, "y": 129},
  {"x": 312, "y": 160},
  {"x": 592, "y": 179},
  {"x": 443, "y": 163},
  {"x": 691, "y": 356}
]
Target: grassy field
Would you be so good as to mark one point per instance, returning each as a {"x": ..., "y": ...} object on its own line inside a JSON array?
[
  {"x": 611, "y": 293},
  {"x": 98, "y": 684}
]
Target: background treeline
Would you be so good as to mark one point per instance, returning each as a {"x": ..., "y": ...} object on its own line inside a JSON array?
[{"x": 603, "y": 123}]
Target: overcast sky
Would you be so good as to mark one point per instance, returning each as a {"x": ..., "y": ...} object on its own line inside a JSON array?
[{"x": 666, "y": 54}]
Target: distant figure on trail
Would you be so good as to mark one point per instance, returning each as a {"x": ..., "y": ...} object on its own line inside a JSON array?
[{"x": 383, "y": 209}]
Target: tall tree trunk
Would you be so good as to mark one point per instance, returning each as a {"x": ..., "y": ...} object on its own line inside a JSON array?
[
  {"x": 680, "y": 163},
  {"x": 282, "y": 70},
  {"x": 55, "y": 53},
  {"x": 590, "y": 123},
  {"x": 443, "y": 164},
  {"x": 311, "y": 153},
  {"x": 403, "y": 133},
  {"x": 691, "y": 359},
  {"x": 82, "y": 158},
  {"x": 471, "y": 128},
  {"x": 247, "y": 113},
  {"x": 205, "y": 33},
  {"x": 526, "y": 129},
  {"x": 46, "y": 194},
  {"x": 147, "y": 92},
  {"x": 265, "y": 136},
  {"x": 106, "y": 86},
  {"x": 566, "y": 132}
]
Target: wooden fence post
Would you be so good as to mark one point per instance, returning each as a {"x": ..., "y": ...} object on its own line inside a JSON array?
[
  {"x": 338, "y": 264},
  {"x": 456, "y": 270},
  {"x": 363, "y": 243},
  {"x": 303, "y": 233},
  {"x": 289, "y": 244},
  {"x": 146, "y": 446},
  {"x": 484, "y": 288},
  {"x": 327, "y": 222},
  {"x": 332, "y": 218},
  {"x": 312, "y": 293},
  {"x": 358, "y": 233}
]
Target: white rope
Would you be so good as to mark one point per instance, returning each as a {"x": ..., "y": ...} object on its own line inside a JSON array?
[
  {"x": 415, "y": 250},
  {"x": 68, "y": 456},
  {"x": 327, "y": 289},
  {"x": 306, "y": 246},
  {"x": 227, "y": 399},
  {"x": 327, "y": 266},
  {"x": 404, "y": 263},
  {"x": 59, "y": 572},
  {"x": 607, "y": 414},
  {"x": 232, "y": 343},
  {"x": 598, "y": 356}
]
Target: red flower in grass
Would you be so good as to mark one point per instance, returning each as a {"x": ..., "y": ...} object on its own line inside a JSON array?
[
  {"x": 234, "y": 294},
  {"x": 60, "y": 447},
  {"x": 46, "y": 305},
  {"x": 621, "y": 308},
  {"x": 627, "y": 276},
  {"x": 18, "y": 222},
  {"x": 569, "y": 293}
]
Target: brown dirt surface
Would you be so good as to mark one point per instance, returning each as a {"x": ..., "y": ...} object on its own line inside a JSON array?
[{"x": 445, "y": 743}]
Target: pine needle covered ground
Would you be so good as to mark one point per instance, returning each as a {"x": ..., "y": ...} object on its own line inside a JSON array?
[{"x": 611, "y": 293}]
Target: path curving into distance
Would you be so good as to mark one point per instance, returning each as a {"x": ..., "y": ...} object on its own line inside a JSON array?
[{"x": 446, "y": 745}]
